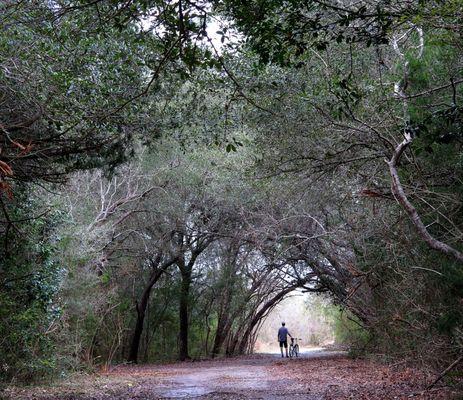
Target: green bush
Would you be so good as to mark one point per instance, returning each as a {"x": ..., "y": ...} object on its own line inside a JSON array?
[
  {"x": 348, "y": 330},
  {"x": 29, "y": 281}
]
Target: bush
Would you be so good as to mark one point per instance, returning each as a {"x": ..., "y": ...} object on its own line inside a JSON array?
[
  {"x": 29, "y": 281},
  {"x": 348, "y": 330}
]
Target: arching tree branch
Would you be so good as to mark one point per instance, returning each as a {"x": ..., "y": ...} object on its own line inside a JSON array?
[{"x": 401, "y": 197}]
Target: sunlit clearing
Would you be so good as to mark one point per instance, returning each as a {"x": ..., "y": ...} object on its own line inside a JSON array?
[{"x": 307, "y": 317}]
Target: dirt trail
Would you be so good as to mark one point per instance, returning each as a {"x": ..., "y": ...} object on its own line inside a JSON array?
[
  {"x": 316, "y": 375},
  {"x": 247, "y": 378}
]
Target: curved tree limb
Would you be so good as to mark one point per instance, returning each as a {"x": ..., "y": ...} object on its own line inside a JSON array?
[{"x": 401, "y": 197}]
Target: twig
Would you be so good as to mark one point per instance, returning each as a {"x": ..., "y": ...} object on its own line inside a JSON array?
[
  {"x": 453, "y": 84},
  {"x": 235, "y": 81},
  {"x": 445, "y": 372}
]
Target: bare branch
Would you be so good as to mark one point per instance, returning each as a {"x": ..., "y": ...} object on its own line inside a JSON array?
[{"x": 401, "y": 197}]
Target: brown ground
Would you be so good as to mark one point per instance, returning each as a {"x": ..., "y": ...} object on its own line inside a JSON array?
[{"x": 317, "y": 375}]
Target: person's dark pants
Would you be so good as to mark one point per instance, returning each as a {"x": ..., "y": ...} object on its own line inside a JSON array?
[{"x": 285, "y": 344}]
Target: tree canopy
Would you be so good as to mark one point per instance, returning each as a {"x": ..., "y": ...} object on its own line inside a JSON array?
[{"x": 183, "y": 166}]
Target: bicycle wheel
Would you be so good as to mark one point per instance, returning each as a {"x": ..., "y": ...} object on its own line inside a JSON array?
[
  {"x": 296, "y": 350},
  {"x": 291, "y": 350}
]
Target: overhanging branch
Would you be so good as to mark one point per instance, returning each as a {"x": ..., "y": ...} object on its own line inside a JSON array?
[{"x": 401, "y": 197}]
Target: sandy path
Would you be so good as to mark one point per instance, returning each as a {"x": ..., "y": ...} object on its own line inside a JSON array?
[
  {"x": 317, "y": 375},
  {"x": 236, "y": 378}
]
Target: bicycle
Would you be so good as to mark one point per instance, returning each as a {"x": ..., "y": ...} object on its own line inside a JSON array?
[{"x": 294, "y": 348}]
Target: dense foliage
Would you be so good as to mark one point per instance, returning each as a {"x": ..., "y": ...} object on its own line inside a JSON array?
[
  {"x": 164, "y": 186},
  {"x": 31, "y": 277}
]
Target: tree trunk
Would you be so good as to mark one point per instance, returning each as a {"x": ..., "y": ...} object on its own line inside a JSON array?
[
  {"x": 183, "y": 315},
  {"x": 135, "y": 345},
  {"x": 232, "y": 345},
  {"x": 220, "y": 335},
  {"x": 141, "y": 310},
  {"x": 186, "y": 271},
  {"x": 223, "y": 321}
]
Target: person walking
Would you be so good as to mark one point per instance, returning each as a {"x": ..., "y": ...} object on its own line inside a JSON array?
[{"x": 283, "y": 334}]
